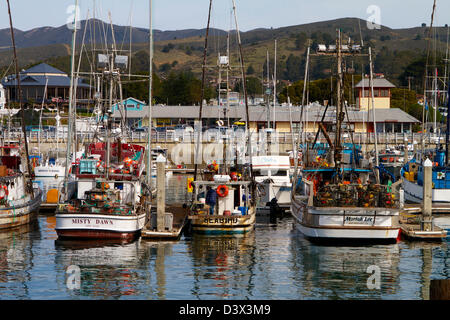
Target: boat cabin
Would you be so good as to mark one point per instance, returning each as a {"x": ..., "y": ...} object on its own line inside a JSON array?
[{"x": 233, "y": 198}]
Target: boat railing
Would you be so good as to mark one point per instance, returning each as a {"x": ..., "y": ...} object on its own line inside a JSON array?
[{"x": 124, "y": 197}]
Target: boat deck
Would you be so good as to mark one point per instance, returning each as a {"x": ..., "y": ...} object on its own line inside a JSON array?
[{"x": 179, "y": 222}]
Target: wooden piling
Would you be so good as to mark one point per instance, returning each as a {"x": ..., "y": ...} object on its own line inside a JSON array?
[
  {"x": 440, "y": 290},
  {"x": 427, "y": 196},
  {"x": 161, "y": 192}
]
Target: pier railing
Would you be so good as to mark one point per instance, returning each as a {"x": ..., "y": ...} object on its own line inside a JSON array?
[{"x": 207, "y": 137}]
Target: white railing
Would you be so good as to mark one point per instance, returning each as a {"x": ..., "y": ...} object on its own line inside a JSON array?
[{"x": 207, "y": 136}]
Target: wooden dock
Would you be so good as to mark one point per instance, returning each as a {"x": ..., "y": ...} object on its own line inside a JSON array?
[
  {"x": 436, "y": 208},
  {"x": 412, "y": 229},
  {"x": 180, "y": 215}
]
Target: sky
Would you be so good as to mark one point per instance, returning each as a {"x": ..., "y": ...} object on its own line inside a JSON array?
[{"x": 252, "y": 14}]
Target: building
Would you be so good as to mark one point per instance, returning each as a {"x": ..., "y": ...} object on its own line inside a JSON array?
[
  {"x": 133, "y": 110},
  {"x": 387, "y": 120},
  {"x": 45, "y": 84},
  {"x": 382, "y": 93}
]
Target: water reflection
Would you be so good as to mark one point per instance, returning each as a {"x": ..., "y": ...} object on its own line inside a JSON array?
[
  {"x": 108, "y": 268},
  {"x": 16, "y": 260},
  {"x": 223, "y": 267},
  {"x": 273, "y": 262},
  {"x": 326, "y": 272}
]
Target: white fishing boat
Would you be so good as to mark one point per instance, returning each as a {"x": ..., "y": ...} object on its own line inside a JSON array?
[
  {"x": 337, "y": 196},
  {"x": 273, "y": 175},
  {"x": 233, "y": 213},
  {"x": 224, "y": 201},
  {"x": 113, "y": 198},
  {"x": 19, "y": 202},
  {"x": 51, "y": 168}
]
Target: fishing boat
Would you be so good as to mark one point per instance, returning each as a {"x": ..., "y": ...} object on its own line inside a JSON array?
[
  {"x": 113, "y": 197},
  {"x": 338, "y": 196},
  {"x": 272, "y": 173},
  {"x": 413, "y": 175},
  {"x": 50, "y": 168},
  {"x": 107, "y": 205},
  {"x": 413, "y": 171},
  {"x": 224, "y": 199},
  {"x": 234, "y": 212},
  {"x": 19, "y": 202}
]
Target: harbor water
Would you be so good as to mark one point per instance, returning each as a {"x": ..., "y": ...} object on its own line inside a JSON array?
[{"x": 274, "y": 262}]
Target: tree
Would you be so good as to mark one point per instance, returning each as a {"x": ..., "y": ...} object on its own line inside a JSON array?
[
  {"x": 300, "y": 41},
  {"x": 250, "y": 70}
]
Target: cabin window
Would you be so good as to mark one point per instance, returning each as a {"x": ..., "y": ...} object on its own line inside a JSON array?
[
  {"x": 279, "y": 173},
  {"x": 261, "y": 173}
]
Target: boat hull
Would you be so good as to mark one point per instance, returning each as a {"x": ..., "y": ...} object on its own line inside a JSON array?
[
  {"x": 223, "y": 225},
  {"x": 92, "y": 226},
  {"x": 12, "y": 217},
  {"x": 354, "y": 225},
  {"x": 414, "y": 193}
]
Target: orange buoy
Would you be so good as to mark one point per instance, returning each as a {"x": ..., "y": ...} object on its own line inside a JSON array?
[{"x": 222, "y": 191}]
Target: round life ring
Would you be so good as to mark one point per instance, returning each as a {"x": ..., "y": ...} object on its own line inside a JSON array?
[
  {"x": 56, "y": 176},
  {"x": 222, "y": 191},
  {"x": 3, "y": 192}
]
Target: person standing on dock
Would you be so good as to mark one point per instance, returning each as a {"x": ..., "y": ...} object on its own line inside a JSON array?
[{"x": 211, "y": 199}]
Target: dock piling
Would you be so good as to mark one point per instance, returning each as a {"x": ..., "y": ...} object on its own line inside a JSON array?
[
  {"x": 161, "y": 192},
  {"x": 427, "y": 224}
]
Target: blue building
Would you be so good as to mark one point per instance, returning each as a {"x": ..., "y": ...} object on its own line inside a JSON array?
[
  {"x": 45, "y": 84},
  {"x": 132, "y": 109}
]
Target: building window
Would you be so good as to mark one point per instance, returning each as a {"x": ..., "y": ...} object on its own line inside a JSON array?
[
  {"x": 380, "y": 127},
  {"x": 384, "y": 93},
  {"x": 389, "y": 127},
  {"x": 397, "y": 127}
]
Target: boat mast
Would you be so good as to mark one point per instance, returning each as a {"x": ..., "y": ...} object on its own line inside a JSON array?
[
  {"x": 447, "y": 133},
  {"x": 71, "y": 94},
  {"x": 19, "y": 94},
  {"x": 339, "y": 110},
  {"x": 275, "y": 86},
  {"x": 268, "y": 92},
  {"x": 150, "y": 102},
  {"x": 426, "y": 78},
  {"x": 202, "y": 93},
  {"x": 244, "y": 79},
  {"x": 377, "y": 175}
]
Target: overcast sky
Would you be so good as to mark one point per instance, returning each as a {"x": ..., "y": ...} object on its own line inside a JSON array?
[{"x": 252, "y": 14}]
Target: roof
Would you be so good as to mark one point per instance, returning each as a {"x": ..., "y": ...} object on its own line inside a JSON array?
[
  {"x": 40, "y": 75},
  {"x": 377, "y": 83},
  {"x": 41, "y": 81},
  {"x": 44, "y": 69},
  {"x": 123, "y": 102},
  {"x": 259, "y": 114}
]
